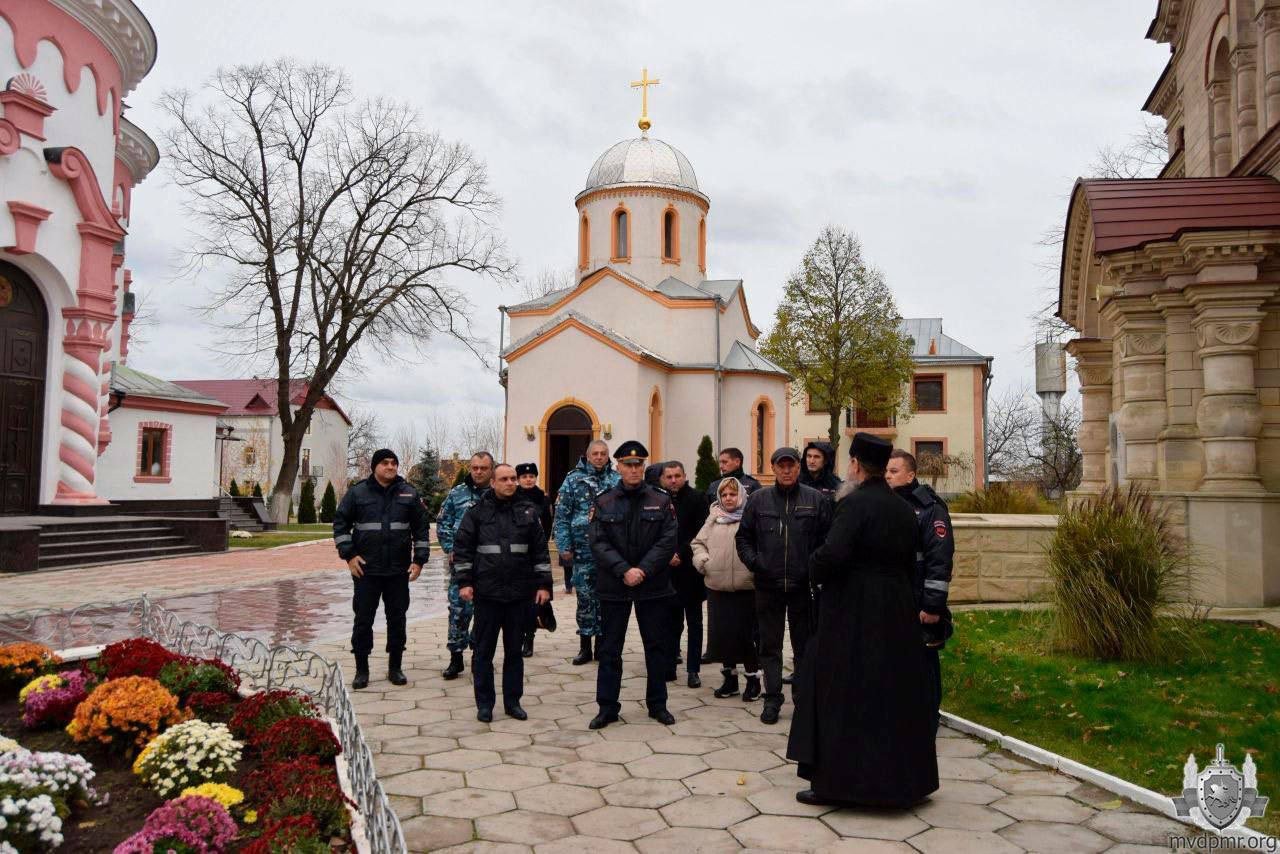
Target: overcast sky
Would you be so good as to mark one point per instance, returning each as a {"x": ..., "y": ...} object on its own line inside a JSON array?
[{"x": 947, "y": 136}]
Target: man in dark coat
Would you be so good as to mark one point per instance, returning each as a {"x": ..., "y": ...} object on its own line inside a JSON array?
[
  {"x": 527, "y": 477},
  {"x": 501, "y": 563},
  {"x": 780, "y": 529},
  {"x": 730, "y": 461},
  {"x": 633, "y": 536},
  {"x": 820, "y": 468},
  {"x": 382, "y": 532},
  {"x": 863, "y": 729},
  {"x": 691, "y": 591},
  {"x": 934, "y": 553}
]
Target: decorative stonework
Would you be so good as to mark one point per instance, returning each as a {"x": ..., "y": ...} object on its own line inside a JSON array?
[
  {"x": 1236, "y": 334},
  {"x": 123, "y": 29},
  {"x": 136, "y": 151},
  {"x": 1142, "y": 344},
  {"x": 29, "y": 85},
  {"x": 26, "y": 112},
  {"x": 10, "y": 138},
  {"x": 26, "y": 220}
]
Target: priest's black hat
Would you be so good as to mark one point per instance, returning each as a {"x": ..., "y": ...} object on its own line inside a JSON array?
[
  {"x": 870, "y": 449},
  {"x": 526, "y": 468},
  {"x": 631, "y": 451}
]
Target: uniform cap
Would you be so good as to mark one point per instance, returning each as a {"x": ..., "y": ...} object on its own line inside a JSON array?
[
  {"x": 526, "y": 468},
  {"x": 631, "y": 451}
]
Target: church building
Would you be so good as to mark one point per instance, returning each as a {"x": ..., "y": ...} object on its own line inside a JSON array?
[{"x": 645, "y": 346}]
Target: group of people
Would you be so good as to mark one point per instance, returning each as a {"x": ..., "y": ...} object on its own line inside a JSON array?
[{"x": 858, "y": 570}]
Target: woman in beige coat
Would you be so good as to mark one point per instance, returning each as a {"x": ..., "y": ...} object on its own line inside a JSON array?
[{"x": 730, "y": 592}]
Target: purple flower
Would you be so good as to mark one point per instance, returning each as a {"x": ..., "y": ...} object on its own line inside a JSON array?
[
  {"x": 193, "y": 817},
  {"x": 144, "y": 841},
  {"x": 56, "y": 706}
]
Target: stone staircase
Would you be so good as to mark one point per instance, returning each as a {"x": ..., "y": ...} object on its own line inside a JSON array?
[
  {"x": 101, "y": 541},
  {"x": 240, "y": 512}
]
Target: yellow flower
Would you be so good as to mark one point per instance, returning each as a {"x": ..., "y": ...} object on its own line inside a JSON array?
[
  {"x": 226, "y": 795},
  {"x": 40, "y": 683},
  {"x": 250, "y": 816}
]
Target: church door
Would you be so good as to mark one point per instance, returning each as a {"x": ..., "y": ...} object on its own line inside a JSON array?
[
  {"x": 568, "y": 434},
  {"x": 23, "y": 335}
]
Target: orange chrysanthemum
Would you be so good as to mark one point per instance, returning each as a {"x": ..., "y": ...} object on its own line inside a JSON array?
[
  {"x": 21, "y": 662},
  {"x": 126, "y": 712}
]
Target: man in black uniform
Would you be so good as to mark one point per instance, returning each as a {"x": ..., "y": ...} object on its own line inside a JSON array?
[
  {"x": 633, "y": 536},
  {"x": 527, "y": 477},
  {"x": 382, "y": 532},
  {"x": 501, "y": 563},
  {"x": 730, "y": 462},
  {"x": 937, "y": 547},
  {"x": 691, "y": 591}
]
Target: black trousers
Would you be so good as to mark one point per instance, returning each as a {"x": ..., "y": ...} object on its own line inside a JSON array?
[
  {"x": 491, "y": 617},
  {"x": 653, "y": 616},
  {"x": 774, "y": 609},
  {"x": 682, "y": 614},
  {"x": 393, "y": 591},
  {"x": 933, "y": 669}
]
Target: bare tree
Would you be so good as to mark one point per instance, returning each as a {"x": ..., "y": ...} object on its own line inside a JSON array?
[
  {"x": 1025, "y": 444},
  {"x": 1055, "y": 454},
  {"x": 481, "y": 431},
  {"x": 363, "y": 438},
  {"x": 406, "y": 441},
  {"x": 547, "y": 281},
  {"x": 1011, "y": 419},
  {"x": 336, "y": 222}
]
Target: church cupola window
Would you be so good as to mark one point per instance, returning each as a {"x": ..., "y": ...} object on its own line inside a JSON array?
[
  {"x": 621, "y": 235},
  {"x": 671, "y": 236},
  {"x": 584, "y": 243},
  {"x": 702, "y": 244}
]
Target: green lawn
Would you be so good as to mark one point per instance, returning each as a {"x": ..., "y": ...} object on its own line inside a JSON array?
[
  {"x": 323, "y": 527},
  {"x": 283, "y": 537},
  {"x": 1136, "y": 721}
]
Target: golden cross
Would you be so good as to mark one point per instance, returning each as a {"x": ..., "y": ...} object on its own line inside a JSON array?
[{"x": 643, "y": 85}]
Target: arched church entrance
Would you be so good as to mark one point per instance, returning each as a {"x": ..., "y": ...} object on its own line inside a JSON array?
[
  {"x": 569, "y": 431},
  {"x": 24, "y": 331}
]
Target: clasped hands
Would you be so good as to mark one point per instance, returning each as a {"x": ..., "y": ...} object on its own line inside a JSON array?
[
  {"x": 633, "y": 576},
  {"x": 356, "y": 566},
  {"x": 466, "y": 594}
]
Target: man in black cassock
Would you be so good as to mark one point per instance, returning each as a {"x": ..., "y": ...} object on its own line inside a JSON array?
[{"x": 863, "y": 729}]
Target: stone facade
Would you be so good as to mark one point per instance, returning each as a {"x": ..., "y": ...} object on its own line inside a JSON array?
[{"x": 1000, "y": 558}]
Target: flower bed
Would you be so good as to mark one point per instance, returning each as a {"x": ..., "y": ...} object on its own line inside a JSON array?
[{"x": 146, "y": 750}]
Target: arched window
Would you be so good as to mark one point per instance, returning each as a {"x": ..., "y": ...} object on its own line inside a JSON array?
[
  {"x": 762, "y": 415},
  {"x": 762, "y": 433},
  {"x": 670, "y": 235},
  {"x": 1221, "y": 119},
  {"x": 621, "y": 235},
  {"x": 655, "y": 425},
  {"x": 702, "y": 244},
  {"x": 584, "y": 243}
]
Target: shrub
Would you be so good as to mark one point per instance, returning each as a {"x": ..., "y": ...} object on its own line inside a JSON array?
[
  {"x": 293, "y": 834},
  {"x": 233, "y": 489},
  {"x": 292, "y": 737},
  {"x": 52, "y": 700},
  {"x": 133, "y": 657},
  {"x": 189, "y": 824},
  {"x": 187, "y": 755},
  {"x": 257, "y": 713},
  {"x": 1115, "y": 563},
  {"x": 307, "y": 503},
  {"x": 301, "y": 786},
  {"x": 707, "y": 469},
  {"x": 125, "y": 713},
  {"x": 32, "y": 818},
  {"x": 23, "y": 661},
  {"x": 187, "y": 676},
  {"x": 257, "y": 490},
  {"x": 329, "y": 503},
  {"x": 212, "y": 706},
  {"x": 1001, "y": 498},
  {"x": 66, "y": 775}
]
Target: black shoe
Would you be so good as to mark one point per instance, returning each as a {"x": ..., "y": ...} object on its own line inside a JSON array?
[
  {"x": 517, "y": 713},
  {"x": 706, "y": 659},
  {"x": 695, "y": 681},
  {"x": 662, "y": 716},
  {"x": 584, "y": 655},
  {"x": 394, "y": 674},
  {"x": 602, "y": 720},
  {"x": 772, "y": 709},
  {"x": 679, "y": 659},
  {"x": 752, "y": 691},
  {"x": 788, "y": 679},
  {"x": 813, "y": 799},
  {"x": 484, "y": 716},
  {"x": 729, "y": 688},
  {"x": 455, "y": 666},
  {"x": 362, "y": 673},
  {"x": 527, "y": 650}
]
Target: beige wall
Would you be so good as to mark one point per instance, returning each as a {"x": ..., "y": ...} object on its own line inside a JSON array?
[
  {"x": 646, "y": 208},
  {"x": 1000, "y": 558}
]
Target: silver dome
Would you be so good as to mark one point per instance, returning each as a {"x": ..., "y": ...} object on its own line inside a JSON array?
[{"x": 642, "y": 161}]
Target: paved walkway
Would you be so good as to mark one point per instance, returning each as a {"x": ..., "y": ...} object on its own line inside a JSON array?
[{"x": 715, "y": 781}]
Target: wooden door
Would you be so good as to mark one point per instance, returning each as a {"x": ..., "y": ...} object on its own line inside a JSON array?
[{"x": 23, "y": 338}]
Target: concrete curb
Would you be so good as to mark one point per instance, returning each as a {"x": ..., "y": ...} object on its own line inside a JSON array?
[{"x": 1162, "y": 804}]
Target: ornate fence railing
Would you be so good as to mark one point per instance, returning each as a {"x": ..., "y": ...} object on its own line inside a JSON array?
[{"x": 261, "y": 666}]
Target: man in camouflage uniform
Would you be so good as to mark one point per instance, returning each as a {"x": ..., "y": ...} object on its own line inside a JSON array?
[
  {"x": 593, "y": 476},
  {"x": 456, "y": 504}
]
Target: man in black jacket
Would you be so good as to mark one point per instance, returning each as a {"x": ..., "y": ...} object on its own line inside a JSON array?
[
  {"x": 934, "y": 554},
  {"x": 820, "y": 468},
  {"x": 501, "y": 563},
  {"x": 382, "y": 532},
  {"x": 691, "y": 591},
  {"x": 730, "y": 461},
  {"x": 633, "y": 536},
  {"x": 527, "y": 477},
  {"x": 781, "y": 527}
]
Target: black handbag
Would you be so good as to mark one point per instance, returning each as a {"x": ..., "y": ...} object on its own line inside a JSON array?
[{"x": 546, "y": 616}]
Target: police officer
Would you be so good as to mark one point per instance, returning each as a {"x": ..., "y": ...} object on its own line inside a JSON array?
[
  {"x": 381, "y": 531},
  {"x": 459, "y": 500},
  {"x": 527, "y": 477},
  {"x": 593, "y": 476},
  {"x": 501, "y": 564},
  {"x": 934, "y": 555},
  {"x": 633, "y": 536}
]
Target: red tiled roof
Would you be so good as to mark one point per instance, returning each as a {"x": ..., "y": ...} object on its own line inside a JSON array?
[
  {"x": 1128, "y": 214},
  {"x": 255, "y": 397}
]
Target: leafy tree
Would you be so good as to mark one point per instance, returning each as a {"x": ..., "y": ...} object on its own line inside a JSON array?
[
  {"x": 328, "y": 504},
  {"x": 257, "y": 490},
  {"x": 307, "y": 503},
  {"x": 234, "y": 489},
  {"x": 838, "y": 332},
  {"x": 424, "y": 474},
  {"x": 707, "y": 469}
]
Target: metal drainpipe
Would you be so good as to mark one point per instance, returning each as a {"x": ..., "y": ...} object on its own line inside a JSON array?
[
  {"x": 506, "y": 394},
  {"x": 986, "y": 393},
  {"x": 719, "y": 378}
]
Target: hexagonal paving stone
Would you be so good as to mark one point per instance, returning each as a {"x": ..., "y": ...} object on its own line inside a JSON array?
[
  {"x": 782, "y": 801},
  {"x": 634, "y": 732},
  {"x": 481, "y": 846},
  {"x": 945, "y": 840},
  {"x": 419, "y": 745},
  {"x": 1141, "y": 828},
  {"x": 523, "y": 826},
  {"x": 594, "y": 774},
  {"x": 737, "y": 759},
  {"x": 389, "y": 732},
  {"x": 469, "y": 803},
  {"x": 691, "y": 745},
  {"x": 507, "y": 778},
  {"x": 389, "y": 764},
  {"x": 865, "y": 846},
  {"x": 1043, "y": 808},
  {"x": 953, "y": 768},
  {"x": 540, "y": 756},
  {"x": 1033, "y": 782},
  {"x": 961, "y": 747},
  {"x": 431, "y": 832},
  {"x": 754, "y": 741},
  {"x": 458, "y": 728},
  {"x": 567, "y": 738},
  {"x": 712, "y": 811},
  {"x": 1008, "y": 763},
  {"x": 383, "y": 707},
  {"x": 690, "y": 839},
  {"x": 875, "y": 824},
  {"x": 785, "y": 777},
  {"x": 532, "y": 726},
  {"x": 709, "y": 729},
  {"x": 650, "y": 794},
  {"x": 462, "y": 760},
  {"x": 404, "y": 807},
  {"x": 559, "y": 799},
  {"x": 419, "y": 784},
  {"x": 966, "y": 792},
  {"x": 736, "y": 784},
  {"x": 957, "y": 815},
  {"x": 666, "y": 766},
  {"x": 418, "y": 717},
  {"x": 495, "y": 741},
  {"x": 627, "y": 823},
  {"x": 579, "y": 844},
  {"x": 779, "y": 831},
  {"x": 1045, "y": 837},
  {"x": 620, "y": 752}
]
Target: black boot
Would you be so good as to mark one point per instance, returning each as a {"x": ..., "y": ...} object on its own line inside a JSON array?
[
  {"x": 362, "y": 673},
  {"x": 730, "y": 686},
  {"x": 752, "y": 691},
  {"x": 394, "y": 674},
  {"x": 584, "y": 655},
  {"x": 772, "y": 708},
  {"x": 455, "y": 666},
  {"x": 527, "y": 649}
]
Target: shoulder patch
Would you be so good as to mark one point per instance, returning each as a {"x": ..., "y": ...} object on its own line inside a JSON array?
[{"x": 940, "y": 529}]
